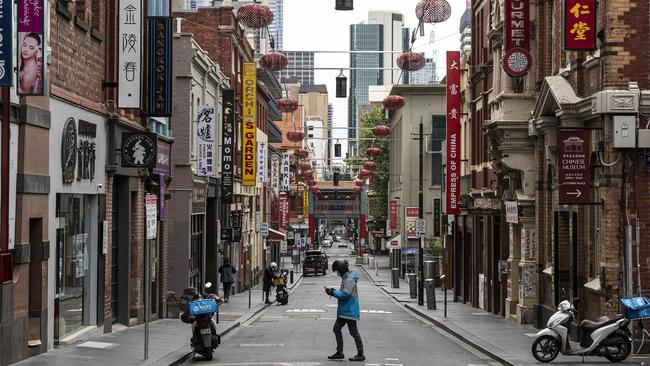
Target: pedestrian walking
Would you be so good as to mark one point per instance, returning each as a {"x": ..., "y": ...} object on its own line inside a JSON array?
[
  {"x": 269, "y": 273},
  {"x": 348, "y": 312},
  {"x": 227, "y": 273}
]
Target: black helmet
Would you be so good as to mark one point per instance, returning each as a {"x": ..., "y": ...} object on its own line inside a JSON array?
[{"x": 340, "y": 265}]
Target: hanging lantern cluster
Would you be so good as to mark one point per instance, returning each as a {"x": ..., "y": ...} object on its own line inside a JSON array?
[
  {"x": 364, "y": 174},
  {"x": 393, "y": 103},
  {"x": 274, "y": 61},
  {"x": 410, "y": 61},
  {"x": 433, "y": 11},
  {"x": 370, "y": 165},
  {"x": 307, "y": 174},
  {"x": 254, "y": 15},
  {"x": 287, "y": 105},
  {"x": 314, "y": 190},
  {"x": 304, "y": 165},
  {"x": 373, "y": 151},
  {"x": 301, "y": 153},
  {"x": 358, "y": 189},
  {"x": 295, "y": 136},
  {"x": 359, "y": 182},
  {"x": 381, "y": 131}
]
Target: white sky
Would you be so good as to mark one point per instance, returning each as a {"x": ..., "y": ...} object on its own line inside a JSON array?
[{"x": 314, "y": 25}]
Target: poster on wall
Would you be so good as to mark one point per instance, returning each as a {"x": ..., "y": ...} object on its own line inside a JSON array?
[
  {"x": 6, "y": 43},
  {"x": 228, "y": 146},
  {"x": 453, "y": 133},
  {"x": 31, "y": 48},
  {"x": 129, "y": 54},
  {"x": 249, "y": 126},
  {"x": 159, "y": 76},
  {"x": 411, "y": 215},
  {"x": 206, "y": 133}
]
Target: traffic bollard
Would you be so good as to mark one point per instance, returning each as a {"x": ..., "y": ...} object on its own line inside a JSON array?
[
  {"x": 431, "y": 294},
  {"x": 395, "y": 278},
  {"x": 291, "y": 276},
  {"x": 413, "y": 285}
]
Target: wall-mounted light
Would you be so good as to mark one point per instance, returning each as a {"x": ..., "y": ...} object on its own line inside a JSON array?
[
  {"x": 341, "y": 86},
  {"x": 344, "y": 5}
]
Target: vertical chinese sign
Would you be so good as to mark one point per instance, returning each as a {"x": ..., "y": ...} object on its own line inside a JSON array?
[
  {"x": 579, "y": 24},
  {"x": 31, "y": 47},
  {"x": 453, "y": 132},
  {"x": 573, "y": 166},
  {"x": 206, "y": 133},
  {"x": 6, "y": 43},
  {"x": 249, "y": 129},
  {"x": 159, "y": 78},
  {"x": 129, "y": 54},
  {"x": 262, "y": 151},
  {"x": 275, "y": 189},
  {"x": 393, "y": 214},
  {"x": 228, "y": 146},
  {"x": 517, "y": 60},
  {"x": 411, "y": 215},
  {"x": 305, "y": 204}
]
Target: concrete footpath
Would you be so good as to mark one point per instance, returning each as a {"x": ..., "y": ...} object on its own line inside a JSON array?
[
  {"x": 168, "y": 342},
  {"x": 506, "y": 341}
]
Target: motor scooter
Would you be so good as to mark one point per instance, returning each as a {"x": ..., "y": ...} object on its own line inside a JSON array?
[
  {"x": 280, "y": 283},
  {"x": 605, "y": 337},
  {"x": 199, "y": 310}
]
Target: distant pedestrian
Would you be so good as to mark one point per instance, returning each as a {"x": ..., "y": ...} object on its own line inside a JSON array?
[
  {"x": 269, "y": 273},
  {"x": 227, "y": 273},
  {"x": 348, "y": 310}
]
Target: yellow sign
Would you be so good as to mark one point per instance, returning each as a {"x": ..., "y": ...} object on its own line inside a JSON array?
[
  {"x": 249, "y": 129},
  {"x": 305, "y": 205}
]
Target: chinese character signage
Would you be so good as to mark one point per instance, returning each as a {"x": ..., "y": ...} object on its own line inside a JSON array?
[
  {"x": 159, "y": 91},
  {"x": 275, "y": 189},
  {"x": 517, "y": 60},
  {"x": 206, "y": 134},
  {"x": 285, "y": 172},
  {"x": 580, "y": 24},
  {"x": 453, "y": 133},
  {"x": 412, "y": 214},
  {"x": 228, "y": 146},
  {"x": 129, "y": 54},
  {"x": 573, "y": 166},
  {"x": 262, "y": 151},
  {"x": 305, "y": 204},
  {"x": 393, "y": 214},
  {"x": 6, "y": 43},
  {"x": 31, "y": 46},
  {"x": 284, "y": 211},
  {"x": 249, "y": 129}
]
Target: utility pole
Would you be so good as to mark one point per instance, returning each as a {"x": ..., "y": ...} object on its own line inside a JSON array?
[{"x": 421, "y": 214}]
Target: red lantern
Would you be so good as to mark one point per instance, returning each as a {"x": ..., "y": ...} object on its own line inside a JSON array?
[
  {"x": 301, "y": 153},
  {"x": 304, "y": 165},
  {"x": 307, "y": 174},
  {"x": 314, "y": 190},
  {"x": 255, "y": 15},
  {"x": 274, "y": 61},
  {"x": 364, "y": 173},
  {"x": 288, "y": 105},
  {"x": 370, "y": 165},
  {"x": 393, "y": 103},
  {"x": 373, "y": 151},
  {"x": 311, "y": 182},
  {"x": 410, "y": 61},
  {"x": 359, "y": 183},
  {"x": 380, "y": 131},
  {"x": 358, "y": 190},
  {"x": 433, "y": 11},
  {"x": 295, "y": 136}
]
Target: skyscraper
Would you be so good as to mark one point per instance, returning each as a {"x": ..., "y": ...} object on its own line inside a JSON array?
[
  {"x": 382, "y": 32},
  {"x": 277, "y": 27},
  {"x": 425, "y": 75},
  {"x": 301, "y": 66}
]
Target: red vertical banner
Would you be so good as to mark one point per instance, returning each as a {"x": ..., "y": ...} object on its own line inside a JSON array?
[
  {"x": 517, "y": 60},
  {"x": 312, "y": 230},
  {"x": 580, "y": 24},
  {"x": 393, "y": 214},
  {"x": 362, "y": 227},
  {"x": 452, "y": 168}
]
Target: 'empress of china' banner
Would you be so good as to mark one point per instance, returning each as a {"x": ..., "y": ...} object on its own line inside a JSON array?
[
  {"x": 249, "y": 129},
  {"x": 580, "y": 24},
  {"x": 129, "y": 54},
  {"x": 453, "y": 132},
  {"x": 31, "y": 47}
]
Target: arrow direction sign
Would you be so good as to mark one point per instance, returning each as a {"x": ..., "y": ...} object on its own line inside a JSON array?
[{"x": 574, "y": 152}]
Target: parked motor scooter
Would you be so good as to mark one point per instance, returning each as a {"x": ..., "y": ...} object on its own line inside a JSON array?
[
  {"x": 198, "y": 310},
  {"x": 280, "y": 283},
  {"x": 605, "y": 337}
]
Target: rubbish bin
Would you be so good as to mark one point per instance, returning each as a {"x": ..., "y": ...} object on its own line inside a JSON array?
[
  {"x": 413, "y": 285},
  {"x": 365, "y": 258},
  {"x": 394, "y": 278},
  {"x": 430, "y": 288}
]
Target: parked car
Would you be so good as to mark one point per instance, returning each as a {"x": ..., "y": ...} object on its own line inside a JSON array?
[
  {"x": 314, "y": 264},
  {"x": 320, "y": 253}
]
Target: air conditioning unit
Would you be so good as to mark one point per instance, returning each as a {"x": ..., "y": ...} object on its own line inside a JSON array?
[{"x": 615, "y": 101}]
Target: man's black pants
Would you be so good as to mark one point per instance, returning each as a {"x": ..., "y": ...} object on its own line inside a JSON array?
[
  {"x": 354, "y": 332},
  {"x": 226, "y": 289}
]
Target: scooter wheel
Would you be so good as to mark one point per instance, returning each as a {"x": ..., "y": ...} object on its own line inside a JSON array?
[
  {"x": 545, "y": 348},
  {"x": 624, "y": 348}
]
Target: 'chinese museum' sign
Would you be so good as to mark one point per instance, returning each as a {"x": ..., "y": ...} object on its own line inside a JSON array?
[
  {"x": 580, "y": 24},
  {"x": 453, "y": 132},
  {"x": 517, "y": 60},
  {"x": 249, "y": 133},
  {"x": 573, "y": 166}
]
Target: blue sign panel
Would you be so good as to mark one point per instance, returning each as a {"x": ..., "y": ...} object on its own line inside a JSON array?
[
  {"x": 6, "y": 43},
  {"x": 202, "y": 307}
]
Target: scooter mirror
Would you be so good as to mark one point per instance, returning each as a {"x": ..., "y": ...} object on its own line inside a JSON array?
[{"x": 208, "y": 285}]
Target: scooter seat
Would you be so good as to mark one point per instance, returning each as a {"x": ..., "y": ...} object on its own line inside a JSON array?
[{"x": 590, "y": 326}]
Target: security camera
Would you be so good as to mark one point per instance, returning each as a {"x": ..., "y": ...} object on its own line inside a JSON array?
[{"x": 100, "y": 186}]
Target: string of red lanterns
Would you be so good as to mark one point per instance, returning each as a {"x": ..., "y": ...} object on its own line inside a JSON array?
[
  {"x": 393, "y": 102},
  {"x": 287, "y": 105},
  {"x": 381, "y": 131},
  {"x": 274, "y": 61},
  {"x": 411, "y": 61},
  {"x": 433, "y": 11},
  {"x": 373, "y": 151},
  {"x": 370, "y": 165},
  {"x": 295, "y": 136},
  {"x": 254, "y": 15}
]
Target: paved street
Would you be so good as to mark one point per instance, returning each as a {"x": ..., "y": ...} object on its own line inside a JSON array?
[{"x": 301, "y": 332}]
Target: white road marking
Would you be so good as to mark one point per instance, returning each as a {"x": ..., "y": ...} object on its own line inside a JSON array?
[
  {"x": 305, "y": 311},
  {"x": 100, "y": 345},
  {"x": 268, "y": 364},
  {"x": 391, "y": 359},
  {"x": 262, "y": 345},
  {"x": 481, "y": 314},
  {"x": 376, "y": 311}
]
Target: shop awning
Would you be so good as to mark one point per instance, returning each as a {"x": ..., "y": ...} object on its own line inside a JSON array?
[
  {"x": 299, "y": 226},
  {"x": 277, "y": 235}
]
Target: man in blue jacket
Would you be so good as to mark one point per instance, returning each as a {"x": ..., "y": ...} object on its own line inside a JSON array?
[{"x": 348, "y": 311}]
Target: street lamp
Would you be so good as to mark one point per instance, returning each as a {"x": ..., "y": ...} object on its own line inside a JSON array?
[{"x": 344, "y": 5}]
